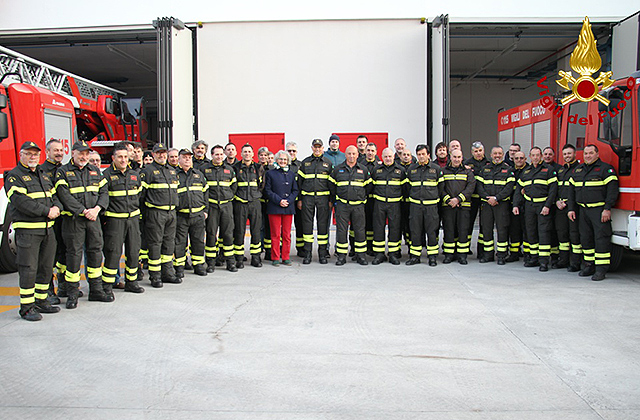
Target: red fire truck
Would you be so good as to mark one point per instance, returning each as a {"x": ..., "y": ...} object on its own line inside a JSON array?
[
  {"x": 39, "y": 102},
  {"x": 613, "y": 128}
]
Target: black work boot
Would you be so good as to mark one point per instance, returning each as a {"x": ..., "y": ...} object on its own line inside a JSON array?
[
  {"x": 432, "y": 261},
  {"x": 51, "y": 294},
  {"x": 588, "y": 270},
  {"x": 133, "y": 287},
  {"x": 599, "y": 275},
  {"x": 30, "y": 314},
  {"x": 240, "y": 263},
  {"x": 413, "y": 260},
  {"x": 448, "y": 259},
  {"x": 256, "y": 261},
  {"x": 341, "y": 260},
  {"x": 44, "y": 307},
  {"x": 462, "y": 259},
  {"x": 199, "y": 270},
  {"x": 231, "y": 266},
  {"x": 168, "y": 274},
  {"x": 155, "y": 280},
  {"x": 360, "y": 259},
  {"x": 513, "y": 257},
  {"x": 380, "y": 258},
  {"x": 96, "y": 292},
  {"x": 108, "y": 291},
  {"x": 180, "y": 272},
  {"x": 394, "y": 259},
  {"x": 72, "y": 295},
  {"x": 62, "y": 287}
]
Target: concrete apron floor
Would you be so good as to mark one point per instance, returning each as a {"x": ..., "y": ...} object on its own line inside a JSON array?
[{"x": 324, "y": 342}]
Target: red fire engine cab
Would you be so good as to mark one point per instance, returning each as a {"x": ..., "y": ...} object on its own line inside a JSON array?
[
  {"x": 39, "y": 102},
  {"x": 613, "y": 128}
]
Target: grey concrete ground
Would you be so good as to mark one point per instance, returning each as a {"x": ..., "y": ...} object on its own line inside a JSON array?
[{"x": 452, "y": 342}]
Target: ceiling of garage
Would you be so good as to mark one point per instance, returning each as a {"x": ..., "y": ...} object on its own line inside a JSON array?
[{"x": 125, "y": 58}]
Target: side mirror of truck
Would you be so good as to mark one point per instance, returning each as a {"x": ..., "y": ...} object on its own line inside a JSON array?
[
  {"x": 110, "y": 106},
  {"x": 4, "y": 122}
]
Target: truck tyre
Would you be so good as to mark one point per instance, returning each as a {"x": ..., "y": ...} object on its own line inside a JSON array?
[
  {"x": 7, "y": 254},
  {"x": 616, "y": 257}
]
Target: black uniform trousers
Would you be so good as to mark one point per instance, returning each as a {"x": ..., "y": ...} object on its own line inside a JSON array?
[
  {"x": 316, "y": 206},
  {"x": 34, "y": 256},
  {"x": 144, "y": 249},
  {"x": 189, "y": 229},
  {"x": 570, "y": 250},
  {"x": 517, "y": 234},
  {"x": 383, "y": 211},
  {"x": 538, "y": 229},
  {"x": 297, "y": 222},
  {"x": 498, "y": 215},
  {"x": 354, "y": 214},
  {"x": 80, "y": 234},
  {"x": 220, "y": 217},
  {"x": 455, "y": 220},
  {"x": 473, "y": 212},
  {"x": 424, "y": 220},
  {"x": 241, "y": 213},
  {"x": 404, "y": 223},
  {"x": 118, "y": 232},
  {"x": 60, "y": 252},
  {"x": 160, "y": 231},
  {"x": 595, "y": 238}
]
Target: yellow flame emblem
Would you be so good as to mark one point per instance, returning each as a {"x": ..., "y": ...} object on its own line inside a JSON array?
[{"x": 585, "y": 60}]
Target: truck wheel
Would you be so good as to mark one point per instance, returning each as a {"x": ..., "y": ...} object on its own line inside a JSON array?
[
  {"x": 7, "y": 254},
  {"x": 616, "y": 257}
]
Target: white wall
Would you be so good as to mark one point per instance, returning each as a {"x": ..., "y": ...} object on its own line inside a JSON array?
[
  {"x": 311, "y": 78},
  {"x": 182, "y": 82}
]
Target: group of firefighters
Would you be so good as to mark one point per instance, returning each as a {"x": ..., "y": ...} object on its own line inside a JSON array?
[{"x": 181, "y": 202}]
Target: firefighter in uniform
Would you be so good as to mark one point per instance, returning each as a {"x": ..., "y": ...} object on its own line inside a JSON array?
[
  {"x": 459, "y": 183},
  {"x": 594, "y": 188},
  {"x": 121, "y": 220},
  {"x": 33, "y": 207},
  {"x": 535, "y": 194},
  {"x": 199, "y": 149},
  {"x": 313, "y": 184},
  {"x": 389, "y": 181},
  {"x": 221, "y": 182},
  {"x": 405, "y": 161},
  {"x": 570, "y": 255},
  {"x": 159, "y": 198},
  {"x": 82, "y": 191},
  {"x": 476, "y": 162},
  {"x": 495, "y": 187},
  {"x": 246, "y": 206},
  {"x": 370, "y": 161},
  {"x": 516, "y": 222},
  {"x": 55, "y": 154},
  {"x": 425, "y": 189},
  {"x": 350, "y": 184},
  {"x": 191, "y": 215}
]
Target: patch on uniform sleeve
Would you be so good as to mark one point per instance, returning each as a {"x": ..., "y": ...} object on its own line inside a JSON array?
[
  {"x": 379, "y": 171},
  {"x": 578, "y": 170},
  {"x": 487, "y": 169},
  {"x": 325, "y": 164},
  {"x": 610, "y": 171},
  {"x": 11, "y": 179},
  {"x": 156, "y": 172},
  {"x": 398, "y": 171}
]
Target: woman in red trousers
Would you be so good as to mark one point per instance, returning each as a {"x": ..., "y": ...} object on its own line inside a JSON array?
[{"x": 281, "y": 190}]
